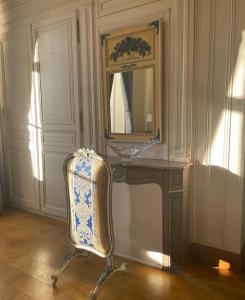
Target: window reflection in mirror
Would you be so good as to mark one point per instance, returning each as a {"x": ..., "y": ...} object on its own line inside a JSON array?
[{"x": 132, "y": 101}]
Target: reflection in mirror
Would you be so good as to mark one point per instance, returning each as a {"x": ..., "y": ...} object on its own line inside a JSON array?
[{"x": 132, "y": 101}]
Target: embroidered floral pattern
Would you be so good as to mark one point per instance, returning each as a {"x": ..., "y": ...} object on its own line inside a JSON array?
[{"x": 83, "y": 210}]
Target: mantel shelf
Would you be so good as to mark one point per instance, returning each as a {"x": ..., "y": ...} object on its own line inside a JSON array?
[{"x": 148, "y": 162}]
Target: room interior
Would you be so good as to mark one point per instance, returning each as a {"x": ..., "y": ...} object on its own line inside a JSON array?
[{"x": 156, "y": 89}]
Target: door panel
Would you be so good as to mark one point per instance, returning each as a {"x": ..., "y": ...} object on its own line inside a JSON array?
[
  {"x": 16, "y": 68},
  {"x": 55, "y": 72},
  {"x": 41, "y": 119},
  {"x": 20, "y": 131},
  {"x": 59, "y": 104},
  {"x": 54, "y": 200},
  {"x": 22, "y": 182}
]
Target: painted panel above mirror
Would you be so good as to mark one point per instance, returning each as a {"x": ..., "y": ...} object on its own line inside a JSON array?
[
  {"x": 131, "y": 83},
  {"x": 138, "y": 46}
]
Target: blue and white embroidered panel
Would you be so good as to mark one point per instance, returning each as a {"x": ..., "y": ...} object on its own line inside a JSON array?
[{"x": 83, "y": 208}]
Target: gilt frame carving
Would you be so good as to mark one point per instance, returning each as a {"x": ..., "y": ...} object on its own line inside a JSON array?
[{"x": 127, "y": 49}]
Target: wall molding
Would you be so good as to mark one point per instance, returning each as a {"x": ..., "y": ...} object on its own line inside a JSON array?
[
  {"x": 208, "y": 137},
  {"x": 107, "y": 7},
  {"x": 179, "y": 150},
  {"x": 87, "y": 32},
  {"x": 8, "y": 5},
  {"x": 30, "y": 9}
]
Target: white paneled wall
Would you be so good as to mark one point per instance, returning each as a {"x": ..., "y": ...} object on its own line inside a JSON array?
[
  {"x": 219, "y": 95},
  {"x": 54, "y": 64},
  {"x": 40, "y": 106},
  {"x": 217, "y": 63}
]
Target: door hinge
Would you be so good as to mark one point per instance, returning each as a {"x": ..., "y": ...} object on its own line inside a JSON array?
[{"x": 78, "y": 31}]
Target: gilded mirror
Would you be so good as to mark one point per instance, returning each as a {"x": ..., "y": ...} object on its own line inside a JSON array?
[{"x": 131, "y": 83}]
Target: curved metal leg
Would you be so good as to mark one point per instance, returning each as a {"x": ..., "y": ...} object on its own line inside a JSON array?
[
  {"x": 65, "y": 262},
  {"x": 108, "y": 271}
]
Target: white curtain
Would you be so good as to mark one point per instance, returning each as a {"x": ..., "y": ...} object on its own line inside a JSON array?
[{"x": 119, "y": 108}]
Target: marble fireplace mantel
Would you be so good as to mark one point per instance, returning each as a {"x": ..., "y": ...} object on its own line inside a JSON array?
[{"x": 172, "y": 177}]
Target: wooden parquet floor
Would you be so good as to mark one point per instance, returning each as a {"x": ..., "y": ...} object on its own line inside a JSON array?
[{"x": 31, "y": 246}]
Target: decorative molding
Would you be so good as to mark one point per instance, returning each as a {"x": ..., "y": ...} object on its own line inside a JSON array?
[
  {"x": 178, "y": 148},
  {"x": 130, "y": 150},
  {"x": 90, "y": 77},
  {"x": 208, "y": 140},
  {"x": 156, "y": 25},
  {"x": 87, "y": 153},
  {"x": 8, "y": 5},
  {"x": 129, "y": 45},
  {"x": 35, "y": 10},
  {"x": 18, "y": 136},
  {"x": 59, "y": 138},
  {"x": 103, "y": 36},
  {"x": 107, "y": 7},
  {"x": 228, "y": 106}
]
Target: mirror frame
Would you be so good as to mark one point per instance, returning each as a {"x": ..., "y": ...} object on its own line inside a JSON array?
[{"x": 114, "y": 61}]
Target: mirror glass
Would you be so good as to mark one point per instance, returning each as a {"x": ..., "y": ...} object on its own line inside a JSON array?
[{"x": 131, "y": 101}]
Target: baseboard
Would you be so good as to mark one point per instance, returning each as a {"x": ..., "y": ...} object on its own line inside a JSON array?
[
  {"x": 141, "y": 261},
  {"x": 211, "y": 256},
  {"x": 34, "y": 211}
]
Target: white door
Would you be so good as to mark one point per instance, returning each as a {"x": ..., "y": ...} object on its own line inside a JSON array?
[
  {"x": 20, "y": 134},
  {"x": 40, "y": 95},
  {"x": 57, "y": 94}
]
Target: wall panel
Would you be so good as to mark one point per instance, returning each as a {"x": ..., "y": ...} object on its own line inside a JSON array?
[
  {"x": 22, "y": 184},
  {"x": 39, "y": 101},
  {"x": 218, "y": 126},
  {"x": 54, "y": 197},
  {"x": 16, "y": 68},
  {"x": 56, "y": 74},
  {"x": 55, "y": 41},
  {"x": 19, "y": 133}
]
